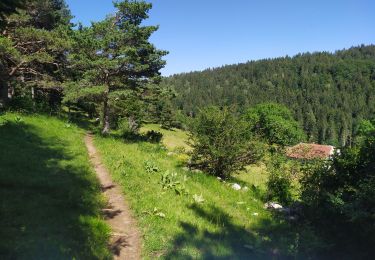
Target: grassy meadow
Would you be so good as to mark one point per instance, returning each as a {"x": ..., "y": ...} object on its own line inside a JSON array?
[
  {"x": 189, "y": 215},
  {"x": 173, "y": 139},
  {"x": 49, "y": 197}
]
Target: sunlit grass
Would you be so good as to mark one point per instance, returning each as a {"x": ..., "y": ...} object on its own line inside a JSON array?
[
  {"x": 172, "y": 139},
  {"x": 227, "y": 224}
]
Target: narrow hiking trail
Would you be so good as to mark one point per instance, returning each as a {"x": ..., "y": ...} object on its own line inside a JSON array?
[{"x": 125, "y": 240}]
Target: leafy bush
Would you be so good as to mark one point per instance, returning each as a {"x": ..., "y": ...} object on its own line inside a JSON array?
[
  {"x": 280, "y": 180},
  {"x": 221, "y": 143},
  {"x": 365, "y": 127},
  {"x": 274, "y": 123},
  {"x": 153, "y": 136},
  {"x": 339, "y": 197}
]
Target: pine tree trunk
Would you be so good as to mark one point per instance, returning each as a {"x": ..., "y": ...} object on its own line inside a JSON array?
[
  {"x": 133, "y": 125},
  {"x": 106, "y": 123},
  {"x": 4, "y": 95}
]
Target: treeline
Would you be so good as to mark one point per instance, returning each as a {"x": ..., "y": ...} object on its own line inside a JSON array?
[
  {"x": 328, "y": 93},
  {"x": 108, "y": 70}
]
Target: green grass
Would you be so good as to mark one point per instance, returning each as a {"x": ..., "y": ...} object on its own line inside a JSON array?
[
  {"x": 172, "y": 139},
  {"x": 49, "y": 197},
  {"x": 228, "y": 224}
]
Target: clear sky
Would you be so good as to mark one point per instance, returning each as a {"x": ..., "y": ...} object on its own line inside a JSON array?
[{"x": 200, "y": 34}]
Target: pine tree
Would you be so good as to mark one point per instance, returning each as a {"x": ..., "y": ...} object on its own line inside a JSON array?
[
  {"x": 8, "y": 7},
  {"x": 117, "y": 59},
  {"x": 31, "y": 52}
]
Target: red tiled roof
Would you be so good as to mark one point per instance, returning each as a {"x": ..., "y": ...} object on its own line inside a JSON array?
[{"x": 310, "y": 151}]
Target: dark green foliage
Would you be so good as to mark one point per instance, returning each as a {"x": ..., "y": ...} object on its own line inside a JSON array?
[
  {"x": 115, "y": 59},
  {"x": 275, "y": 124},
  {"x": 48, "y": 14},
  {"x": 33, "y": 50},
  {"x": 365, "y": 128},
  {"x": 165, "y": 110},
  {"x": 221, "y": 142},
  {"x": 329, "y": 94},
  {"x": 153, "y": 136},
  {"x": 340, "y": 198},
  {"x": 158, "y": 106},
  {"x": 279, "y": 183},
  {"x": 8, "y": 7}
]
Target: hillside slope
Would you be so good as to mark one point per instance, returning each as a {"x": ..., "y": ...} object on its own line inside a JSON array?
[
  {"x": 187, "y": 214},
  {"x": 49, "y": 196},
  {"x": 329, "y": 93}
]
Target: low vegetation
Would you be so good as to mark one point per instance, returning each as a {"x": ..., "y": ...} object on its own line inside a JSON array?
[
  {"x": 222, "y": 143},
  {"x": 203, "y": 181},
  {"x": 49, "y": 197},
  {"x": 340, "y": 198},
  {"x": 189, "y": 214},
  {"x": 173, "y": 139}
]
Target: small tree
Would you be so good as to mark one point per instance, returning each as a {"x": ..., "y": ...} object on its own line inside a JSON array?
[
  {"x": 166, "y": 114},
  {"x": 283, "y": 177},
  {"x": 275, "y": 124},
  {"x": 221, "y": 143}
]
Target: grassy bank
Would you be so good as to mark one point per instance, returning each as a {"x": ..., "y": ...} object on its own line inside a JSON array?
[
  {"x": 49, "y": 197},
  {"x": 186, "y": 214}
]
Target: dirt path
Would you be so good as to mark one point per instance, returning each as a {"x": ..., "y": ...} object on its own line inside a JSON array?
[{"x": 125, "y": 239}]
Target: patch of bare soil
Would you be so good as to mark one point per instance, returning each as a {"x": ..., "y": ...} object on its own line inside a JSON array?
[{"x": 125, "y": 240}]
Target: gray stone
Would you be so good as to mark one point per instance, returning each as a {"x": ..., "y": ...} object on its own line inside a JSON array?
[{"x": 236, "y": 186}]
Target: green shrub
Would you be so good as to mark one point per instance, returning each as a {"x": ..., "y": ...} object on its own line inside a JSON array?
[
  {"x": 275, "y": 124},
  {"x": 280, "y": 180},
  {"x": 153, "y": 136},
  {"x": 339, "y": 198},
  {"x": 221, "y": 143}
]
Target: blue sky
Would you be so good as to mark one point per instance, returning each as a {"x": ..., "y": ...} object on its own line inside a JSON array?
[{"x": 202, "y": 34}]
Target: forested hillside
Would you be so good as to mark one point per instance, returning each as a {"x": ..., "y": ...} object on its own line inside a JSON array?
[
  {"x": 329, "y": 93},
  {"x": 98, "y": 161}
]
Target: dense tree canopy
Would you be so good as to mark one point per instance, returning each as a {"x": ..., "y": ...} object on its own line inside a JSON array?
[
  {"x": 274, "y": 123},
  {"x": 34, "y": 41},
  {"x": 116, "y": 60},
  {"x": 329, "y": 94},
  {"x": 8, "y": 7}
]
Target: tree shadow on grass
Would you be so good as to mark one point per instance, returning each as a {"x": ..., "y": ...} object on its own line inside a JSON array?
[
  {"x": 48, "y": 199},
  {"x": 229, "y": 240}
]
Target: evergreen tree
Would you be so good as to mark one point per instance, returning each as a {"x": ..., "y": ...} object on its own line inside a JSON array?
[
  {"x": 316, "y": 87},
  {"x": 33, "y": 49},
  {"x": 8, "y": 7},
  {"x": 117, "y": 59}
]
